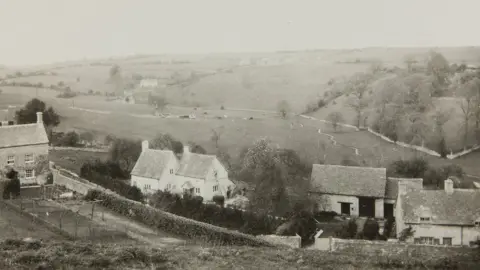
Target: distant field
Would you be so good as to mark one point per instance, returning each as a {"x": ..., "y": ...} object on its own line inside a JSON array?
[{"x": 73, "y": 159}]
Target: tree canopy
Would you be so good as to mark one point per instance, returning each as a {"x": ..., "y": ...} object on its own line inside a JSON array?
[{"x": 28, "y": 114}]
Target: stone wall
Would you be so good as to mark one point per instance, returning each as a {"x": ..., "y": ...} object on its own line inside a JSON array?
[
  {"x": 101, "y": 150},
  {"x": 381, "y": 248},
  {"x": 291, "y": 241}
]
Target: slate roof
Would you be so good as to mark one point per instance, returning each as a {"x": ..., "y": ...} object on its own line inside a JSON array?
[
  {"x": 20, "y": 135},
  {"x": 391, "y": 188},
  {"x": 462, "y": 207},
  {"x": 152, "y": 163},
  {"x": 348, "y": 180},
  {"x": 195, "y": 165}
]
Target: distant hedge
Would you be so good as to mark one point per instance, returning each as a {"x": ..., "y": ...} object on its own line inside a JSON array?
[{"x": 171, "y": 223}]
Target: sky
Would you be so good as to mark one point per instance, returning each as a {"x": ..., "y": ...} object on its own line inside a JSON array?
[{"x": 45, "y": 31}]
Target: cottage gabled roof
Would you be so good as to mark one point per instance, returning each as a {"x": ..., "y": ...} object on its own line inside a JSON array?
[
  {"x": 462, "y": 207},
  {"x": 349, "y": 180},
  {"x": 152, "y": 163},
  {"x": 391, "y": 188},
  {"x": 20, "y": 135},
  {"x": 195, "y": 165}
]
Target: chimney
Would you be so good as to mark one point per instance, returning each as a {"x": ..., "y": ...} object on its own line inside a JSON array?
[
  {"x": 145, "y": 145},
  {"x": 449, "y": 186},
  {"x": 402, "y": 188},
  {"x": 186, "y": 149},
  {"x": 39, "y": 118}
]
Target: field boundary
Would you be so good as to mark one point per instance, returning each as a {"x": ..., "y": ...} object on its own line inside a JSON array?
[
  {"x": 99, "y": 150},
  {"x": 38, "y": 220}
]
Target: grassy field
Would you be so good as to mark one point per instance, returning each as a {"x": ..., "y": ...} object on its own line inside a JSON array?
[
  {"x": 86, "y": 255},
  {"x": 73, "y": 160},
  {"x": 14, "y": 225}
]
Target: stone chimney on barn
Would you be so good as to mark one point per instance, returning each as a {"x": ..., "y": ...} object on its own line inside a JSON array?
[
  {"x": 145, "y": 145},
  {"x": 449, "y": 186},
  {"x": 39, "y": 118}
]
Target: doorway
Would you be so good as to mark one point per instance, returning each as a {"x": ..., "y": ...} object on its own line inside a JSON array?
[
  {"x": 388, "y": 210},
  {"x": 366, "y": 207}
]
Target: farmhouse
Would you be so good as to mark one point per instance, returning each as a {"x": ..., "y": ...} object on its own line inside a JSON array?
[
  {"x": 443, "y": 217},
  {"x": 356, "y": 191},
  {"x": 199, "y": 175},
  {"x": 22, "y": 146}
]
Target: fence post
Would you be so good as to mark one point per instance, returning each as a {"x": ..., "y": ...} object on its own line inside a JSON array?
[{"x": 93, "y": 209}]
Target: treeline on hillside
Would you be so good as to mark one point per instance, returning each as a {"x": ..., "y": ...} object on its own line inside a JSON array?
[
  {"x": 433, "y": 176},
  {"x": 399, "y": 102}
]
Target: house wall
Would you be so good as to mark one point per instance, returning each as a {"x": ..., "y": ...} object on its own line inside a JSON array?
[
  {"x": 142, "y": 182},
  {"x": 221, "y": 180},
  {"x": 20, "y": 166},
  {"x": 328, "y": 202},
  {"x": 379, "y": 211},
  {"x": 439, "y": 231},
  {"x": 196, "y": 183}
]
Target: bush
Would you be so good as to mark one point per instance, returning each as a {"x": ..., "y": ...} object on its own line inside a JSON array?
[
  {"x": 348, "y": 230},
  {"x": 191, "y": 207},
  {"x": 222, "y": 108},
  {"x": 219, "y": 199},
  {"x": 12, "y": 188},
  {"x": 69, "y": 139},
  {"x": 370, "y": 229},
  {"x": 171, "y": 223}
]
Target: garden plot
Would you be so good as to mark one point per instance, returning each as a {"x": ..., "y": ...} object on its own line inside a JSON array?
[{"x": 75, "y": 225}]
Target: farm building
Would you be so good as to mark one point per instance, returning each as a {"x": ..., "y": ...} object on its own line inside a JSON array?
[
  {"x": 198, "y": 175},
  {"x": 22, "y": 147},
  {"x": 442, "y": 217}
]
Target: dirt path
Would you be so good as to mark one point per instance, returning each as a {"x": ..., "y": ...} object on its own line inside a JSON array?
[{"x": 134, "y": 229}]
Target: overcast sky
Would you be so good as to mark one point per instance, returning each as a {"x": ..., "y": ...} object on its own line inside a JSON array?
[{"x": 44, "y": 31}]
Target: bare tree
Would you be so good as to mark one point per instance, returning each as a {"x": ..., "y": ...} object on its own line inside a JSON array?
[
  {"x": 216, "y": 136},
  {"x": 283, "y": 108},
  {"x": 466, "y": 106},
  {"x": 356, "y": 88},
  {"x": 335, "y": 118}
]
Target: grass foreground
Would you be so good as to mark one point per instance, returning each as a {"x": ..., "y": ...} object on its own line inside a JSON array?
[{"x": 20, "y": 254}]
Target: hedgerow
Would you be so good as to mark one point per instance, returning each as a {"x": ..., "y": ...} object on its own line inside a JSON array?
[{"x": 171, "y": 223}]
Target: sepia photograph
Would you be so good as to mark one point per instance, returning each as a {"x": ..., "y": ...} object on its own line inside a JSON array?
[{"x": 215, "y": 134}]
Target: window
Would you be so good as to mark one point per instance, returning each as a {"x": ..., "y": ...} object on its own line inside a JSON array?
[
  {"x": 215, "y": 173},
  {"x": 447, "y": 241},
  {"x": 28, "y": 158},
  {"x": 29, "y": 173},
  {"x": 197, "y": 190},
  {"x": 428, "y": 241},
  {"x": 169, "y": 186},
  {"x": 10, "y": 160},
  {"x": 477, "y": 223},
  {"x": 146, "y": 186},
  {"x": 424, "y": 219},
  {"x": 215, "y": 188},
  {"x": 171, "y": 171}
]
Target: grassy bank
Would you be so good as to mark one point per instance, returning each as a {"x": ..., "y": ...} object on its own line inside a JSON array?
[{"x": 16, "y": 254}]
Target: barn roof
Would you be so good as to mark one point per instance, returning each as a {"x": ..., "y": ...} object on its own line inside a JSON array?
[{"x": 349, "y": 180}]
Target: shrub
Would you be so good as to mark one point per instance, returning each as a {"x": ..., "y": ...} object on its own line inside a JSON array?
[
  {"x": 219, "y": 199},
  {"x": 222, "y": 108},
  {"x": 172, "y": 223},
  {"x": 405, "y": 234},
  {"x": 348, "y": 230},
  {"x": 370, "y": 229},
  {"x": 442, "y": 148},
  {"x": 12, "y": 188}
]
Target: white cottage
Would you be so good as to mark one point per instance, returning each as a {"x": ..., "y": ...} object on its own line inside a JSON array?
[
  {"x": 443, "y": 217},
  {"x": 199, "y": 175}
]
